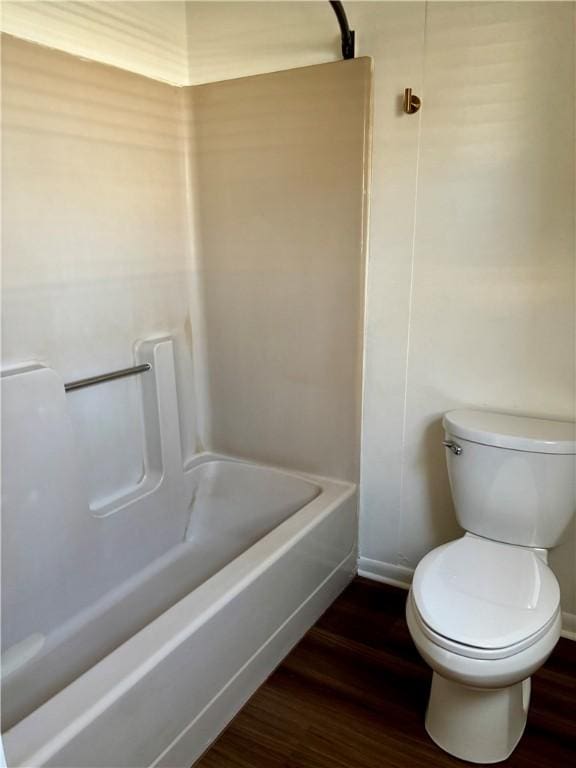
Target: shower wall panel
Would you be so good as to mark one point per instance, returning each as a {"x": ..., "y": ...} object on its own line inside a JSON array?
[
  {"x": 280, "y": 164},
  {"x": 95, "y": 241}
]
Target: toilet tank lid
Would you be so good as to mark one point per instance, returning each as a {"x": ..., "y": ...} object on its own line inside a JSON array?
[{"x": 519, "y": 433}]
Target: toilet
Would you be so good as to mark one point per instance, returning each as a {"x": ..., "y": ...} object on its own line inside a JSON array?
[{"x": 484, "y": 610}]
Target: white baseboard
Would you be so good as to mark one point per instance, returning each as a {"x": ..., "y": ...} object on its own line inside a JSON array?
[
  {"x": 400, "y": 576},
  {"x": 396, "y": 575},
  {"x": 569, "y": 625}
]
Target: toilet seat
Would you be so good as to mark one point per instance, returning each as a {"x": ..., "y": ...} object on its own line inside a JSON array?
[
  {"x": 472, "y": 652},
  {"x": 484, "y": 599}
]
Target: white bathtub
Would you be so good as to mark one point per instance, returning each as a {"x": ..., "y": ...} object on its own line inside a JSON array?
[{"x": 148, "y": 674}]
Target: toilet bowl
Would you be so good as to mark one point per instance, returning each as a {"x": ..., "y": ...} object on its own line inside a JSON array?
[
  {"x": 483, "y": 638},
  {"x": 477, "y": 709},
  {"x": 484, "y": 610}
]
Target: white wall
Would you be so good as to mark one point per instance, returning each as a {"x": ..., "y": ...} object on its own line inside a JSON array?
[
  {"x": 144, "y": 36},
  {"x": 232, "y": 39},
  {"x": 183, "y": 42},
  {"x": 471, "y": 271},
  {"x": 474, "y": 305}
]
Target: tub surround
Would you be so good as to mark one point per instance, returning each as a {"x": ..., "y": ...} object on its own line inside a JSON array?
[
  {"x": 216, "y": 215},
  {"x": 139, "y": 539},
  {"x": 280, "y": 166},
  {"x": 222, "y": 544}
]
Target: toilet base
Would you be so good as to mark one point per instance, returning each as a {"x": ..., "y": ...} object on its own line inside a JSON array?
[{"x": 477, "y": 724}]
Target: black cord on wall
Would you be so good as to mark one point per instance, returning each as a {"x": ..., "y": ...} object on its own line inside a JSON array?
[{"x": 348, "y": 42}]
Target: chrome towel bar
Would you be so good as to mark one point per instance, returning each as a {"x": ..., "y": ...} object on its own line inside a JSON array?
[{"x": 88, "y": 382}]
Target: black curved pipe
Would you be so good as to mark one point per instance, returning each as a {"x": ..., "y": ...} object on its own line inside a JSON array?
[{"x": 347, "y": 33}]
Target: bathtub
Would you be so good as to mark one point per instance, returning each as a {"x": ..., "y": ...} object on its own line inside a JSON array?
[{"x": 150, "y": 672}]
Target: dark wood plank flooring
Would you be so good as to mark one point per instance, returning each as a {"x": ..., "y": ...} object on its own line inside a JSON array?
[{"x": 352, "y": 694}]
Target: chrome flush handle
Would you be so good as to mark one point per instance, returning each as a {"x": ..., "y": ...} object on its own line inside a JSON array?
[{"x": 452, "y": 446}]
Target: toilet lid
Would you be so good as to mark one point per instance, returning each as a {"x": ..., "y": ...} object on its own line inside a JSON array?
[{"x": 483, "y": 593}]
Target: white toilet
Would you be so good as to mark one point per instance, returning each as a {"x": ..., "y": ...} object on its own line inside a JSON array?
[{"x": 484, "y": 610}]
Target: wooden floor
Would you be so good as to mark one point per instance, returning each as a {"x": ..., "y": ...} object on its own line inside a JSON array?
[{"x": 352, "y": 694}]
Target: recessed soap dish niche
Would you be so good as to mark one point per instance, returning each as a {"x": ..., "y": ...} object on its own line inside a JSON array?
[{"x": 118, "y": 430}]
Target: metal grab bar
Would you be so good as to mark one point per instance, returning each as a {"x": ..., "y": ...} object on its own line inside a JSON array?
[{"x": 88, "y": 382}]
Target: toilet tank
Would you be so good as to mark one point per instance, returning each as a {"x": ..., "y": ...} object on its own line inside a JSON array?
[{"x": 513, "y": 478}]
